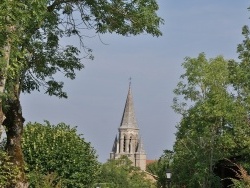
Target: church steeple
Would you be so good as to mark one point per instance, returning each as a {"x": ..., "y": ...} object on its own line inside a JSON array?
[
  {"x": 128, "y": 142},
  {"x": 128, "y": 117}
]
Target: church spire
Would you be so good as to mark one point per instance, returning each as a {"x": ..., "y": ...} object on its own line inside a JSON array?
[
  {"x": 128, "y": 142},
  {"x": 128, "y": 118}
]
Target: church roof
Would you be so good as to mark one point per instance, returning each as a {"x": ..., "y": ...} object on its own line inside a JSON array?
[
  {"x": 115, "y": 144},
  {"x": 128, "y": 118},
  {"x": 140, "y": 148}
]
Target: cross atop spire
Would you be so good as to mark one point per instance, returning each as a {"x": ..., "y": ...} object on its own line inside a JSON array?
[{"x": 130, "y": 81}]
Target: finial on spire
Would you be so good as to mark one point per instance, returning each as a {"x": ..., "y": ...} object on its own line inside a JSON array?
[{"x": 130, "y": 81}]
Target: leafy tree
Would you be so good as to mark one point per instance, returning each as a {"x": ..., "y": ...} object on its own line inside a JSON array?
[
  {"x": 13, "y": 33},
  {"x": 120, "y": 173},
  {"x": 240, "y": 71},
  {"x": 31, "y": 54},
  {"x": 38, "y": 180},
  {"x": 159, "y": 168},
  {"x": 15, "y": 18},
  {"x": 214, "y": 121},
  {"x": 60, "y": 150},
  {"x": 8, "y": 171}
]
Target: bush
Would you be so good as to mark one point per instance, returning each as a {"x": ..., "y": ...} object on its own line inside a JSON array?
[{"x": 58, "y": 149}]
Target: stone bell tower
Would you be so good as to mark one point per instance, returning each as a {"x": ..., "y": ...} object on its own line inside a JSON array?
[{"x": 128, "y": 142}]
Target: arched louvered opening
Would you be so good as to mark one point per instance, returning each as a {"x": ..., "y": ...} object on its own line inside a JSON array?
[
  {"x": 130, "y": 145},
  {"x": 124, "y": 143}
]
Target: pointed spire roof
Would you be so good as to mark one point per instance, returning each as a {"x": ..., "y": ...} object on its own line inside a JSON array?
[
  {"x": 140, "y": 148},
  {"x": 128, "y": 118},
  {"x": 115, "y": 144}
]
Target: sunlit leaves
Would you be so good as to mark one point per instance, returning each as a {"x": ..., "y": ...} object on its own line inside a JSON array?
[
  {"x": 121, "y": 173},
  {"x": 39, "y": 27},
  {"x": 214, "y": 122},
  {"x": 8, "y": 171},
  {"x": 57, "y": 148}
]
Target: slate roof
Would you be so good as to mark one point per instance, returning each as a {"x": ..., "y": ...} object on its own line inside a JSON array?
[{"x": 128, "y": 118}]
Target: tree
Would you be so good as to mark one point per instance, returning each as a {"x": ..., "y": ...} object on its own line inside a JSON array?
[
  {"x": 31, "y": 52},
  {"x": 13, "y": 32},
  {"x": 8, "y": 171},
  {"x": 60, "y": 150},
  {"x": 239, "y": 71},
  {"x": 159, "y": 168},
  {"x": 15, "y": 18},
  {"x": 120, "y": 173},
  {"x": 214, "y": 121}
]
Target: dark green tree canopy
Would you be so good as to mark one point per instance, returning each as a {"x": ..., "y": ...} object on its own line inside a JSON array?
[
  {"x": 120, "y": 173},
  {"x": 215, "y": 120},
  {"x": 32, "y": 52},
  {"x": 41, "y": 54},
  {"x": 159, "y": 168},
  {"x": 36, "y": 52},
  {"x": 59, "y": 149}
]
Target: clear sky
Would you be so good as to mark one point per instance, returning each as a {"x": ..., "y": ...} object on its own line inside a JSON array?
[{"x": 97, "y": 96}]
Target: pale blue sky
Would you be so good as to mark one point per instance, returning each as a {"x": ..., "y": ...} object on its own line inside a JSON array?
[{"x": 97, "y": 97}]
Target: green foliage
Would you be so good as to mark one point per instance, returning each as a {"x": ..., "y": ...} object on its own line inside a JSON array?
[
  {"x": 240, "y": 71},
  {"x": 132, "y": 17},
  {"x": 8, "y": 171},
  {"x": 35, "y": 30},
  {"x": 58, "y": 149},
  {"x": 38, "y": 180},
  {"x": 13, "y": 31},
  {"x": 214, "y": 121},
  {"x": 159, "y": 167},
  {"x": 31, "y": 52},
  {"x": 215, "y": 108},
  {"x": 215, "y": 116},
  {"x": 120, "y": 173}
]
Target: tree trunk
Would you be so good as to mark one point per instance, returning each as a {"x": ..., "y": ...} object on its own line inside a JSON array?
[
  {"x": 2, "y": 117},
  {"x": 14, "y": 129},
  {"x": 3, "y": 75}
]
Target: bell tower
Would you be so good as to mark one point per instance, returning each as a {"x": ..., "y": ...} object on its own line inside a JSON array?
[{"x": 128, "y": 141}]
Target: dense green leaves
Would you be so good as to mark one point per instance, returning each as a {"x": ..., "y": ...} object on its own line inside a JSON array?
[
  {"x": 8, "y": 171},
  {"x": 35, "y": 39},
  {"x": 59, "y": 149},
  {"x": 32, "y": 53},
  {"x": 34, "y": 29},
  {"x": 159, "y": 168},
  {"x": 120, "y": 173},
  {"x": 214, "y": 121}
]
